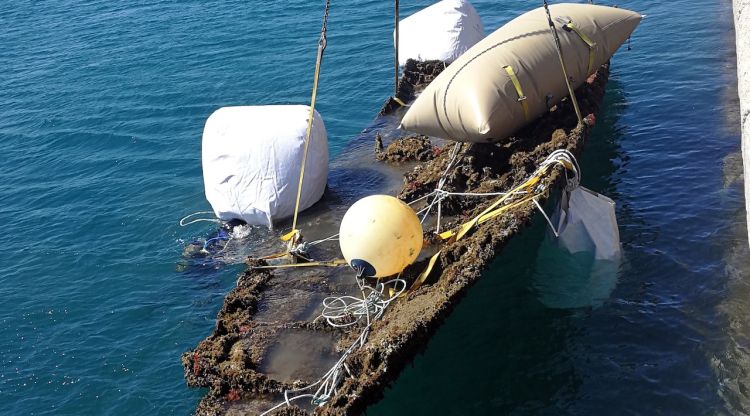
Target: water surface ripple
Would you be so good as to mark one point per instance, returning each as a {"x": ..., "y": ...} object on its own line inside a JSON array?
[{"x": 102, "y": 106}]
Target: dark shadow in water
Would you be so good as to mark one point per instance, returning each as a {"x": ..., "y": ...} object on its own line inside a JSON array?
[
  {"x": 567, "y": 281},
  {"x": 732, "y": 364},
  {"x": 564, "y": 280},
  {"x": 502, "y": 350},
  {"x": 666, "y": 340},
  {"x": 528, "y": 341}
]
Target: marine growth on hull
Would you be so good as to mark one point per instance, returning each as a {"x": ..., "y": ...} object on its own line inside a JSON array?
[{"x": 355, "y": 274}]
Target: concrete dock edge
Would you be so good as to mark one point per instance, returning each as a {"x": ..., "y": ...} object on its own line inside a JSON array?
[{"x": 742, "y": 29}]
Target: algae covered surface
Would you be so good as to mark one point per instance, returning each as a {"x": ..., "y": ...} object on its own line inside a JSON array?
[
  {"x": 103, "y": 106},
  {"x": 233, "y": 361}
]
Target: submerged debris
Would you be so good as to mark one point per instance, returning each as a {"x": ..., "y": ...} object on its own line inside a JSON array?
[{"x": 230, "y": 361}]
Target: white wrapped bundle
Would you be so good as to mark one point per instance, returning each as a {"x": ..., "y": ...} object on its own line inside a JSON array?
[
  {"x": 252, "y": 157},
  {"x": 442, "y": 31}
]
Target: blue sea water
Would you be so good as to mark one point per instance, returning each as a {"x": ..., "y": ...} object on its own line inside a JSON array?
[{"x": 102, "y": 105}]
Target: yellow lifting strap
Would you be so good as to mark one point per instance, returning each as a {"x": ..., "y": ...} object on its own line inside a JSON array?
[
  {"x": 426, "y": 272},
  {"x": 519, "y": 90},
  {"x": 274, "y": 256},
  {"x": 587, "y": 40},
  {"x": 321, "y": 47},
  {"x": 395, "y": 50},
  {"x": 461, "y": 231},
  {"x": 492, "y": 211},
  {"x": 495, "y": 209},
  {"x": 332, "y": 263},
  {"x": 556, "y": 38},
  {"x": 398, "y": 100}
]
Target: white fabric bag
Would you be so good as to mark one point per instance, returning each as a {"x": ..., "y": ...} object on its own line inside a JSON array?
[
  {"x": 586, "y": 221},
  {"x": 442, "y": 31},
  {"x": 252, "y": 157}
]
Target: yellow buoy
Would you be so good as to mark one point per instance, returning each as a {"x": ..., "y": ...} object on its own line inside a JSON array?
[{"x": 380, "y": 235}]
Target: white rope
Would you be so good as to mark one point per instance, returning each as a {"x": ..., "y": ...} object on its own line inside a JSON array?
[
  {"x": 346, "y": 311},
  {"x": 421, "y": 198},
  {"x": 204, "y": 250},
  {"x": 552, "y": 227},
  {"x": 438, "y": 197},
  {"x": 442, "y": 182},
  {"x": 331, "y": 238},
  {"x": 559, "y": 157},
  {"x": 183, "y": 223},
  {"x": 341, "y": 312},
  {"x": 476, "y": 193},
  {"x": 335, "y": 236}
]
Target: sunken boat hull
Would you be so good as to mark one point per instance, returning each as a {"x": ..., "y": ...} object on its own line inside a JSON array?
[{"x": 233, "y": 362}]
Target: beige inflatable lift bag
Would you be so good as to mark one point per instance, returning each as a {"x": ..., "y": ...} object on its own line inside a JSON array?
[{"x": 513, "y": 75}]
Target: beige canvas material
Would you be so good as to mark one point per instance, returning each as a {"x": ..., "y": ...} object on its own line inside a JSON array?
[{"x": 475, "y": 99}]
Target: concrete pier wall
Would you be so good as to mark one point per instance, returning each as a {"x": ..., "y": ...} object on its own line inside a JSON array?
[{"x": 742, "y": 28}]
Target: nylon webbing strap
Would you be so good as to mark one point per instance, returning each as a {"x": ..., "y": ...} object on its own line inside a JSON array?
[
  {"x": 426, "y": 272},
  {"x": 462, "y": 230},
  {"x": 587, "y": 40},
  {"x": 519, "y": 90},
  {"x": 497, "y": 208},
  {"x": 332, "y": 263},
  {"x": 494, "y": 210},
  {"x": 398, "y": 100},
  {"x": 322, "y": 42},
  {"x": 556, "y": 38}
]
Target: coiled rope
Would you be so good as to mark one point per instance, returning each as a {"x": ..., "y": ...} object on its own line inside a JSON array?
[
  {"x": 343, "y": 312},
  {"x": 348, "y": 311}
]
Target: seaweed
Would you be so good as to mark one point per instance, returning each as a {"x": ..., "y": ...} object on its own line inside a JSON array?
[{"x": 228, "y": 362}]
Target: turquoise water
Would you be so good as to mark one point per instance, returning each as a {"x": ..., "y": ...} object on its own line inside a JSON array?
[{"x": 102, "y": 106}]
